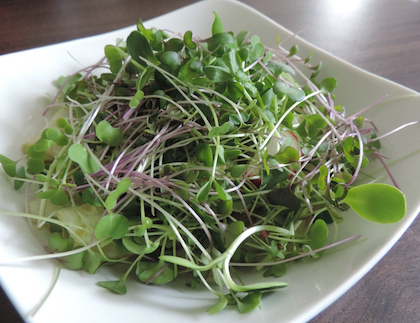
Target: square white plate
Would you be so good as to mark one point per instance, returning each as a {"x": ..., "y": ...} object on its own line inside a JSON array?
[{"x": 314, "y": 284}]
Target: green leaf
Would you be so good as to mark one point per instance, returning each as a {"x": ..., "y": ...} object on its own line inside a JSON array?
[
  {"x": 204, "y": 154},
  {"x": 108, "y": 134},
  {"x": 224, "y": 207},
  {"x": 115, "y": 286},
  {"x": 92, "y": 261},
  {"x": 173, "y": 60},
  {"x": 182, "y": 192},
  {"x": 232, "y": 231},
  {"x": 217, "y": 73},
  {"x": 9, "y": 165},
  {"x": 323, "y": 172},
  {"x": 377, "y": 202},
  {"x": 275, "y": 177},
  {"x": 203, "y": 193},
  {"x": 139, "y": 249},
  {"x": 293, "y": 50},
  {"x": 135, "y": 101},
  {"x": 173, "y": 45},
  {"x": 56, "y": 196},
  {"x": 186, "y": 73},
  {"x": 249, "y": 302},
  {"x": 285, "y": 197},
  {"x": 43, "y": 144},
  {"x": 238, "y": 170},
  {"x": 221, "y": 191},
  {"x": 277, "y": 68},
  {"x": 144, "y": 77},
  {"x": 59, "y": 244},
  {"x": 217, "y": 27},
  {"x": 114, "y": 58},
  {"x": 74, "y": 262},
  {"x": 188, "y": 40},
  {"x": 220, "y": 305},
  {"x": 35, "y": 165},
  {"x": 21, "y": 173},
  {"x": 113, "y": 225},
  {"x": 81, "y": 156},
  {"x": 242, "y": 36},
  {"x": 314, "y": 123},
  {"x": 32, "y": 153},
  {"x": 138, "y": 46},
  {"x": 46, "y": 179},
  {"x": 89, "y": 197},
  {"x": 289, "y": 155},
  {"x": 232, "y": 154},
  {"x": 147, "y": 271},
  {"x": 219, "y": 131},
  {"x": 295, "y": 94},
  {"x": 219, "y": 39},
  {"x": 318, "y": 234},
  {"x": 275, "y": 270},
  {"x": 328, "y": 84},
  {"x": 122, "y": 187}
]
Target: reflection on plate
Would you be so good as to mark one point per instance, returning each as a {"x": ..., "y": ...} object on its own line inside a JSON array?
[{"x": 314, "y": 284}]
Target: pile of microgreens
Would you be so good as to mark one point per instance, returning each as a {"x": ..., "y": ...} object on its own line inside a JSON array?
[{"x": 194, "y": 156}]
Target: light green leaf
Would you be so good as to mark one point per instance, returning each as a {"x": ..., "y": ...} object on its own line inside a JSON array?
[{"x": 377, "y": 202}]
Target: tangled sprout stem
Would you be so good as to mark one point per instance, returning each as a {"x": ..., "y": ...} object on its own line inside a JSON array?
[{"x": 189, "y": 155}]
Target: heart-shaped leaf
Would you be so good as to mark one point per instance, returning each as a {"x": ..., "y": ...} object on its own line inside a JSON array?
[
  {"x": 108, "y": 134},
  {"x": 113, "y": 225},
  {"x": 56, "y": 196},
  {"x": 289, "y": 155},
  {"x": 59, "y": 244},
  {"x": 81, "y": 156},
  {"x": 318, "y": 234}
]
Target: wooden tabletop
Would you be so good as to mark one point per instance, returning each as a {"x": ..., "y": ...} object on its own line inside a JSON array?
[{"x": 381, "y": 36}]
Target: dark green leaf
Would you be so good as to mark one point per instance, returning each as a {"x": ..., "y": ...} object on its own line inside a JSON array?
[
  {"x": 204, "y": 154},
  {"x": 138, "y": 46},
  {"x": 285, "y": 197},
  {"x": 217, "y": 73}
]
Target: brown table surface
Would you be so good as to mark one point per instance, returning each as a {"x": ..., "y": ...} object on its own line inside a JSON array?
[{"x": 381, "y": 36}]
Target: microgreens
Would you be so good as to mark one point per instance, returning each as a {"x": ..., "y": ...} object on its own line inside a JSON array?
[{"x": 193, "y": 156}]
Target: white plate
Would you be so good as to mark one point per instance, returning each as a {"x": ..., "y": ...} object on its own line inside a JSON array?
[{"x": 314, "y": 285}]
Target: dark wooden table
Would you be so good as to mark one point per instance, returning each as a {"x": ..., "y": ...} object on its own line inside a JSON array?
[{"x": 381, "y": 36}]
